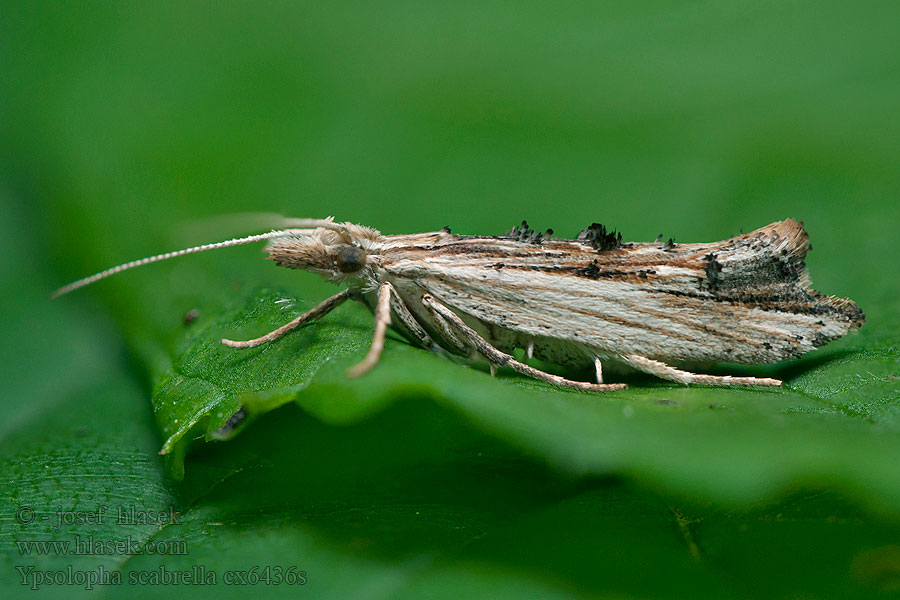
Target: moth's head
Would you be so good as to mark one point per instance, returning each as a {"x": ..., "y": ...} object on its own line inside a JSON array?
[{"x": 338, "y": 251}]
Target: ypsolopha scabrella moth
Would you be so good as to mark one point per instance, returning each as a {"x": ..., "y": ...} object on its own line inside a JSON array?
[{"x": 594, "y": 300}]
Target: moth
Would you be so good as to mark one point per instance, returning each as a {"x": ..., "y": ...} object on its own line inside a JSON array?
[{"x": 593, "y": 301}]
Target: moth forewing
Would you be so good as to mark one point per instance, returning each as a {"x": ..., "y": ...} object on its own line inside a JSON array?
[
  {"x": 744, "y": 300},
  {"x": 590, "y": 301}
]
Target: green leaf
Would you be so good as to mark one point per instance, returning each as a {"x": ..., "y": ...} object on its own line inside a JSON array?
[{"x": 734, "y": 445}]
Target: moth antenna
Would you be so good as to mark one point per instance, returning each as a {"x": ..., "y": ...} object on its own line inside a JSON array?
[
  {"x": 240, "y": 223},
  {"x": 326, "y": 223},
  {"x": 151, "y": 259}
]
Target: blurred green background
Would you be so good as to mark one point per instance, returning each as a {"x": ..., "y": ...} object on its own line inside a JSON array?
[{"x": 125, "y": 127}]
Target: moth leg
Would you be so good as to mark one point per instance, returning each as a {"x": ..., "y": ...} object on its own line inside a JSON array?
[
  {"x": 412, "y": 326},
  {"x": 598, "y": 368},
  {"x": 320, "y": 310},
  {"x": 448, "y": 333},
  {"x": 664, "y": 371},
  {"x": 382, "y": 320},
  {"x": 496, "y": 357}
]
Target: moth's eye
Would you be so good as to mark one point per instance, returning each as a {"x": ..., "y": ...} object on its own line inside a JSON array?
[{"x": 350, "y": 259}]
